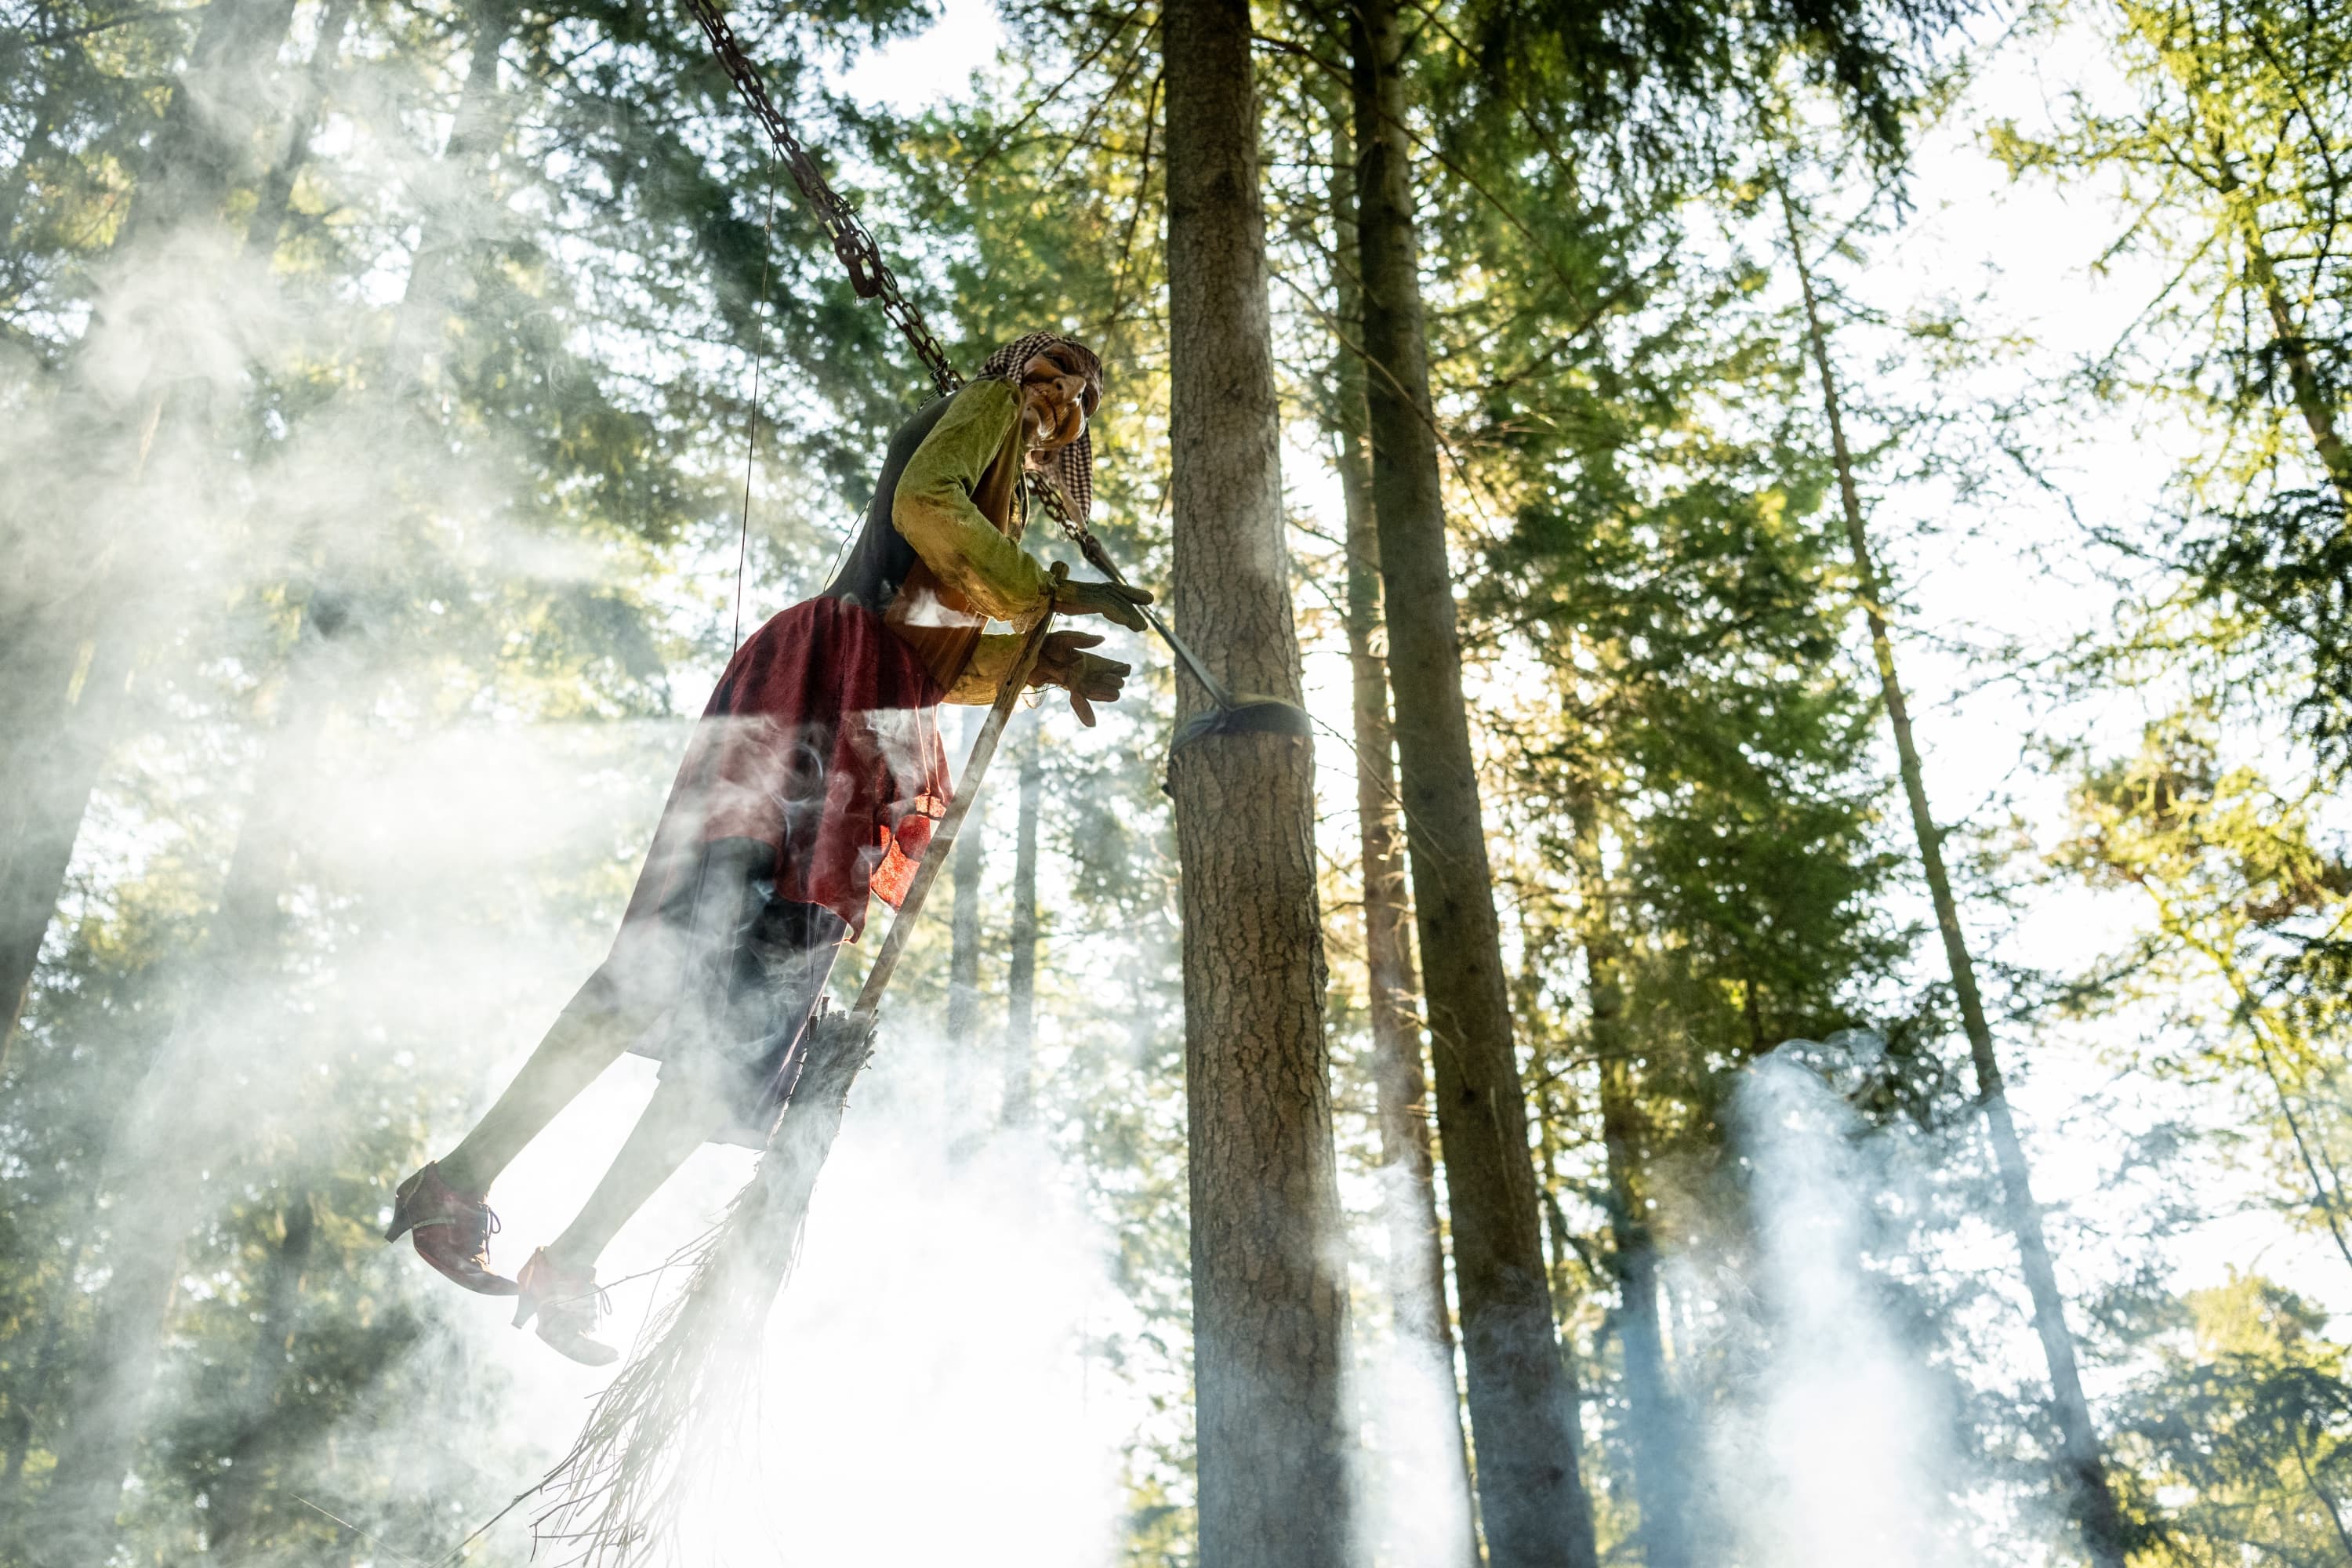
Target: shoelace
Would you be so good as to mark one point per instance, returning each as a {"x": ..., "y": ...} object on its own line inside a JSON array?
[
  {"x": 476, "y": 1223},
  {"x": 595, "y": 1293},
  {"x": 479, "y": 1229}
]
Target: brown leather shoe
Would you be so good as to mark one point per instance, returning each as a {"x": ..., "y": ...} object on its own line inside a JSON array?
[
  {"x": 452, "y": 1231},
  {"x": 568, "y": 1305}
]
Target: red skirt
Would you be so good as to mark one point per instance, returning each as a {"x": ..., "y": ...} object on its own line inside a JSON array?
[{"x": 820, "y": 742}]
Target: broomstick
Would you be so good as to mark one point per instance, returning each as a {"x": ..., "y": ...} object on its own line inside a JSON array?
[{"x": 684, "y": 1397}]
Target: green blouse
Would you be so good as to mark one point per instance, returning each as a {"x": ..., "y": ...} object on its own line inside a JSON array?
[{"x": 936, "y": 509}]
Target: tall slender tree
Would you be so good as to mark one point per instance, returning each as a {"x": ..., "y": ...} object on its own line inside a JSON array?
[
  {"x": 1424, "y": 1323},
  {"x": 1532, "y": 1500},
  {"x": 179, "y": 1117},
  {"x": 73, "y": 630},
  {"x": 1660, "y": 1458},
  {"x": 2082, "y": 1459},
  {"x": 1269, "y": 1296}
]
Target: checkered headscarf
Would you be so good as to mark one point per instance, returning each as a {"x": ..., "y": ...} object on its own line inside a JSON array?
[{"x": 1074, "y": 466}]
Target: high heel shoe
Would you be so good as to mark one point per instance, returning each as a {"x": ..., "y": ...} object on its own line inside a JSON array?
[
  {"x": 452, "y": 1231},
  {"x": 568, "y": 1305}
]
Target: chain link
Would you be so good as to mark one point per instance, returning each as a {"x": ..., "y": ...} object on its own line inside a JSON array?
[
  {"x": 869, "y": 276},
  {"x": 852, "y": 241}
]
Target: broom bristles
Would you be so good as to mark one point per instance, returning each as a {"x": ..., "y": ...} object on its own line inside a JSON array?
[{"x": 664, "y": 1426}]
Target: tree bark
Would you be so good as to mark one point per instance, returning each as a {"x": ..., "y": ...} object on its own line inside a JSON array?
[
  {"x": 1021, "y": 975},
  {"x": 1531, "y": 1498},
  {"x": 48, "y": 813},
  {"x": 432, "y": 293},
  {"x": 274, "y": 196},
  {"x": 2081, "y": 1461},
  {"x": 1269, "y": 1291},
  {"x": 40, "y": 140},
  {"x": 60, "y": 730},
  {"x": 1424, "y": 1324},
  {"x": 2314, "y": 399},
  {"x": 206, "y": 144}
]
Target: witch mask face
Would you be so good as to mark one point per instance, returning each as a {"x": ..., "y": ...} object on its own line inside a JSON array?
[{"x": 1058, "y": 395}]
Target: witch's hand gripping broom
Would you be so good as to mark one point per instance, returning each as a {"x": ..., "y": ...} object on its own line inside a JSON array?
[{"x": 670, "y": 1417}]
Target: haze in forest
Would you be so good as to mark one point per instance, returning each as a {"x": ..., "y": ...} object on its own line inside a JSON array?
[{"x": 1790, "y": 1012}]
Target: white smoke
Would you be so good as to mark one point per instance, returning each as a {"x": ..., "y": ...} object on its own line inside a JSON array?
[
  {"x": 926, "y": 1391},
  {"x": 1840, "y": 1460}
]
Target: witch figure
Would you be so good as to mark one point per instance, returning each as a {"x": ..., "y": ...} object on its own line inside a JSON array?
[{"x": 812, "y": 781}]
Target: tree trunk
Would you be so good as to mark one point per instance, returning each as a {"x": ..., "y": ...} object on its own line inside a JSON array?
[
  {"x": 40, "y": 140},
  {"x": 1020, "y": 976},
  {"x": 1531, "y": 1498},
  {"x": 274, "y": 198},
  {"x": 963, "y": 951},
  {"x": 205, "y": 145},
  {"x": 179, "y": 1118},
  {"x": 49, "y": 815},
  {"x": 2082, "y": 1462},
  {"x": 1425, "y": 1325},
  {"x": 2314, "y": 399},
  {"x": 1661, "y": 1465},
  {"x": 61, "y": 730},
  {"x": 432, "y": 293},
  {"x": 234, "y": 1497},
  {"x": 1269, "y": 1289}
]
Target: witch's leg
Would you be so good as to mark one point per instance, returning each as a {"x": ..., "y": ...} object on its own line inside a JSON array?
[
  {"x": 620, "y": 1002},
  {"x": 444, "y": 1207},
  {"x": 679, "y": 1119},
  {"x": 785, "y": 966},
  {"x": 587, "y": 1037}
]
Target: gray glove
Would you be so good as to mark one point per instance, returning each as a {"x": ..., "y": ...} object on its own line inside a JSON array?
[
  {"x": 1088, "y": 678},
  {"x": 1115, "y": 601}
]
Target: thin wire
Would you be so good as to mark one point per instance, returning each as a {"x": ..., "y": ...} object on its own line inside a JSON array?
[
  {"x": 459, "y": 1551},
  {"x": 751, "y": 426},
  {"x": 376, "y": 1541}
]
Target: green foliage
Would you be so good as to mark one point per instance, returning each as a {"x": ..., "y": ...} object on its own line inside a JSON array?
[
  {"x": 2247, "y": 905},
  {"x": 2243, "y": 1437},
  {"x": 482, "y": 439},
  {"x": 2228, "y": 152}
]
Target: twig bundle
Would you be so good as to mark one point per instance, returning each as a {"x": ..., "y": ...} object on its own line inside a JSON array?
[{"x": 670, "y": 1417}]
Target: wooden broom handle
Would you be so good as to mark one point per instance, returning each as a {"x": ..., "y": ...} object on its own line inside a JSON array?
[{"x": 943, "y": 837}]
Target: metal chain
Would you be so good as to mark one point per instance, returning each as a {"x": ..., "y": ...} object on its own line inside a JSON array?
[
  {"x": 870, "y": 277},
  {"x": 852, "y": 241}
]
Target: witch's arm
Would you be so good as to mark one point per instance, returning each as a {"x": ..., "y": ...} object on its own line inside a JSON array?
[{"x": 933, "y": 509}]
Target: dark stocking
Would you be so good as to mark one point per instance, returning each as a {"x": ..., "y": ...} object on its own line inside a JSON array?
[
  {"x": 587, "y": 1037},
  {"x": 613, "y": 1010},
  {"x": 790, "y": 953},
  {"x": 681, "y": 1116}
]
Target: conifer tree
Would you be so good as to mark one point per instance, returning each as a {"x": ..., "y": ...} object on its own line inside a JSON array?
[
  {"x": 2082, "y": 1460},
  {"x": 1269, "y": 1305}
]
